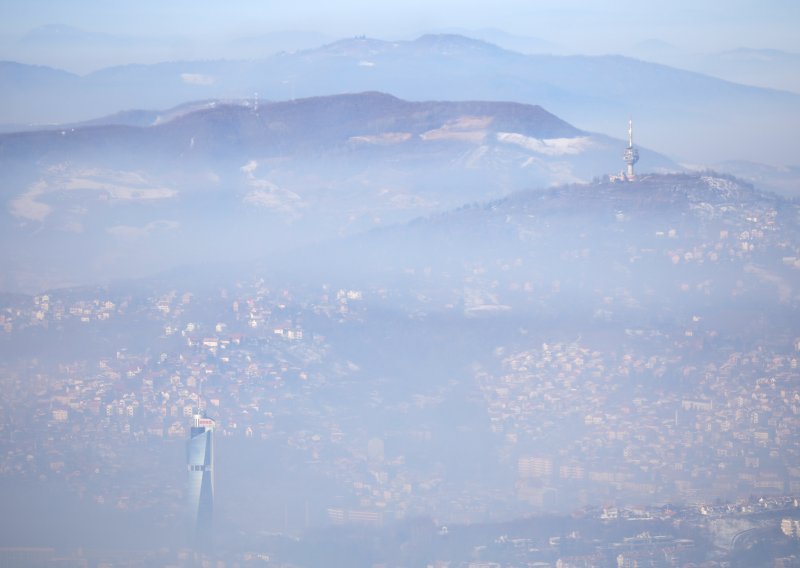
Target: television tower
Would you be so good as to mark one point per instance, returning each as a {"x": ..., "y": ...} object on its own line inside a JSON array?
[{"x": 631, "y": 155}]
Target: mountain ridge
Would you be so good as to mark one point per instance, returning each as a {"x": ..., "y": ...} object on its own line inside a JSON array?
[
  {"x": 339, "y": 118},
  {"x": 684, "y": 113}
]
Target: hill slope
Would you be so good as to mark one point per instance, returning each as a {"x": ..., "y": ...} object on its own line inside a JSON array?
[
  {"x": 604, "y": 252},
  {"x": 234, "y": 181}
]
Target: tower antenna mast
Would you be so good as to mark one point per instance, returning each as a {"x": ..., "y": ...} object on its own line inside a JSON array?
[{"x": 630, "y": 133}]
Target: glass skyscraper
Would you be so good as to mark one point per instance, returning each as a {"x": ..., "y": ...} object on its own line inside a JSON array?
[{"x": 200, "y": 459}]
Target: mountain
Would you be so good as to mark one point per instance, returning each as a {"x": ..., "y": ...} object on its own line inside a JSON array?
[
  {"x": 762, "y": 67},
  {"x": 768, "y": 68},
  {"x": 29, "y": 94},
  {"x": 511, "y": 42},
  {"x": 83, "y": 51},
  {"x": 236, "y": 180},
  {"x": 692, "y": 116},
  {"x": 662, "y": 247}
]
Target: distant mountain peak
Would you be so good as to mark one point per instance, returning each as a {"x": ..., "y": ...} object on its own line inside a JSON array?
[
  {"x": 444, "y": 43},
  {"x": 456, "y": 42},
  {"x": 354, "y": 46}
]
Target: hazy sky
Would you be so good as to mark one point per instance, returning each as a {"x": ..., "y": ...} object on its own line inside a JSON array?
[{"x": 579, "y": 25}]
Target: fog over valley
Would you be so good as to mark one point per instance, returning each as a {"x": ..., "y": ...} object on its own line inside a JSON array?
[{"x": 463, "y": 292}]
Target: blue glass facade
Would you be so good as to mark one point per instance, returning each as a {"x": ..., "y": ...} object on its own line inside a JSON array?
[{"x": 200, "y": 461}]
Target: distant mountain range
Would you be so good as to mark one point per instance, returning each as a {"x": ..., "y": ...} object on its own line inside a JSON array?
[
  {"x": 141, "y": 191},
  {"x": 770, "y": 68},
  {"x": 691, "y": 116}
]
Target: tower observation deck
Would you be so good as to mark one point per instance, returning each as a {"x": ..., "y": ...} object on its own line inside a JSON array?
[{"x": 631, "y": 155}]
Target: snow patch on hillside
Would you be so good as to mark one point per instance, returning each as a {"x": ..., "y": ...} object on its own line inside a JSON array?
[
  {"x": 109, "y": 185},
  {"x": 463, "y": 129},
  {"x": 547, "y": 146},
  {"x": 268, "y": 195}
]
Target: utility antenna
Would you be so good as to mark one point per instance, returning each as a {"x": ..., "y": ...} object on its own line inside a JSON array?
[{"x": 630, "y": 133}]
